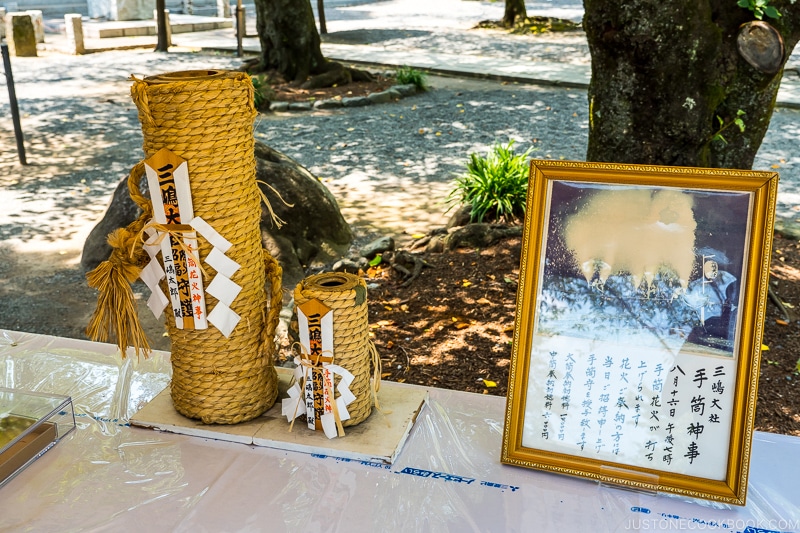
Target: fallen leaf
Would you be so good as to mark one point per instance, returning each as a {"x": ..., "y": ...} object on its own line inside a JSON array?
[
  {"x": 764, "y": 348},
  {"x": 386, "y": 375},
  {"x": 483, "y": 301},
  {"x": 418, "y": 235},
  {"x": 466, "y": 283},
  {"x": 404, "y": 308},
  {"x": 776, "y": 166},
  {"x": 489, "y": 383},
  {"x": 461, "y": 325},
  {"x": 781, "y": 322},
  {"x": 389, "y": 344},
  {"x": 350, "y": 129},
  {"x": 387, "y": 307}
]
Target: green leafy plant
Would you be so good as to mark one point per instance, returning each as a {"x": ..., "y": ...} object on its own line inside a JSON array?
[
  {"x": 495, "y": 186},
  {"x": 760, "y": 8},
  {"x": 738, "y": 121},
  {"x": 263, "y": 93},
  {"x": 412, "y": 76}
]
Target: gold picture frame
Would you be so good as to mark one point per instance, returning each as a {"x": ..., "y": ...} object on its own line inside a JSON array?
[{"x": 639, "y": 323}]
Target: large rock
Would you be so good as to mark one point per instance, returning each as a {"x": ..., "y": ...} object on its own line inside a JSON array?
[
  {"x": 314, "y": 225},
  {"x": 315, "y": 230}
]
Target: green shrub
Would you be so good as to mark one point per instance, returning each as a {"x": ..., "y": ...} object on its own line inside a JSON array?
[
  {"x": 412, "y": 76},
  {"x": 495, "y": 186},
  {"x": 263, "y": 93}
]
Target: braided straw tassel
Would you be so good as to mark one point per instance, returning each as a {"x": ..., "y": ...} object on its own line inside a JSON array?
[
  {"x": 116, "y": 307},
  {"x": 206, "y": 118}
]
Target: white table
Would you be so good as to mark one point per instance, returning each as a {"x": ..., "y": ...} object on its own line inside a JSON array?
[{"x": 108, "y": 476}]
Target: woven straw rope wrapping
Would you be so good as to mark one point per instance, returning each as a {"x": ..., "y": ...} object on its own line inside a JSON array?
[
  {"x": 207, "y": 119},
  {"x": 346, "y": 295}
]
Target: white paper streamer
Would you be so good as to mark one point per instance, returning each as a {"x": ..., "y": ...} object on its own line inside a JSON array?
[
  {"x": 223, "y": 318},
  {"x": 223, "y": 289},
  {"x": 293, "y": 406}
]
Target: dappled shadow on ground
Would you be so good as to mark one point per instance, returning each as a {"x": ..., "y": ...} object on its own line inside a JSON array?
[
  {"x": 562, "y": 48},
  {"x": 46, "y": 292},
  {"x": 372, "y": 36},
  {"x": 391, "y": 166},
  {"x": 776, "y": 155}
]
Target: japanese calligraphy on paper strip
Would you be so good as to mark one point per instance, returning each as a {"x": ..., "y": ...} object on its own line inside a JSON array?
[
  {"x": 175, "y": 235},
  {"x": 315, "y": 372},
  {"x": 638, "y": 325},
  {"x": 168, "y": 174}
]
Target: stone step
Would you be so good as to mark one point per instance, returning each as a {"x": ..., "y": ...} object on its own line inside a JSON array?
[{"x": 138, "y": 28}]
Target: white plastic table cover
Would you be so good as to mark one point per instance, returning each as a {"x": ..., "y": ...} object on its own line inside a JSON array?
[{"x": 108, "y": 476}]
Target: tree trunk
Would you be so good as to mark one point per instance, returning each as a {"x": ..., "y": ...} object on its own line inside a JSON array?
[
  {"x": 290, "y": 45},
  {"x": 289, "y": 39},
  {"x": 161, "y": 27},
  {"x": 667, "y": 78},
  {"x": 515, "y": 9},
  {"x": 323, "y": 28}
]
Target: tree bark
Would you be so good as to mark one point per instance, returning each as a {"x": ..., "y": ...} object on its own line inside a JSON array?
[
  {"x": 515, "y": 9},
  {"x": 664, "y": 74},
  {"x": 323, "y": 28},
  {"x": 290, "y": 45},
  {"x": 289, "y": 39},
  {"x": 161, "y": 27}
]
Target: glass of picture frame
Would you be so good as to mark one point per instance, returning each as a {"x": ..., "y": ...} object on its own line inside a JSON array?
[{"x": 638, "y": 328}]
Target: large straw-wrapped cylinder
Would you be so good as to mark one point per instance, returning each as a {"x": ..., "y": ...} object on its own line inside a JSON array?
[
  {"x": 346, "y": 295},
  {"x": 206, "y": 117}
]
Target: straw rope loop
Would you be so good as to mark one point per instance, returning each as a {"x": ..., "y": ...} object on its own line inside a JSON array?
[{"x": 346, "y": 295}]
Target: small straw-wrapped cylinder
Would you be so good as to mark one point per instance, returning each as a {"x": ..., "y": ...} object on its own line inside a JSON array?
[
  {"x": 346, "y": 295},
  {"x": 206, "y": 117}
]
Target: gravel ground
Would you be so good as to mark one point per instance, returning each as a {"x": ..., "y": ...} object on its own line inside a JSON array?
[{"x": 391, "y": 166}]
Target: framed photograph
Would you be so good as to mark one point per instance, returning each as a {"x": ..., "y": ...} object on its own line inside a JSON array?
[{"x": 639, "y": 322}]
